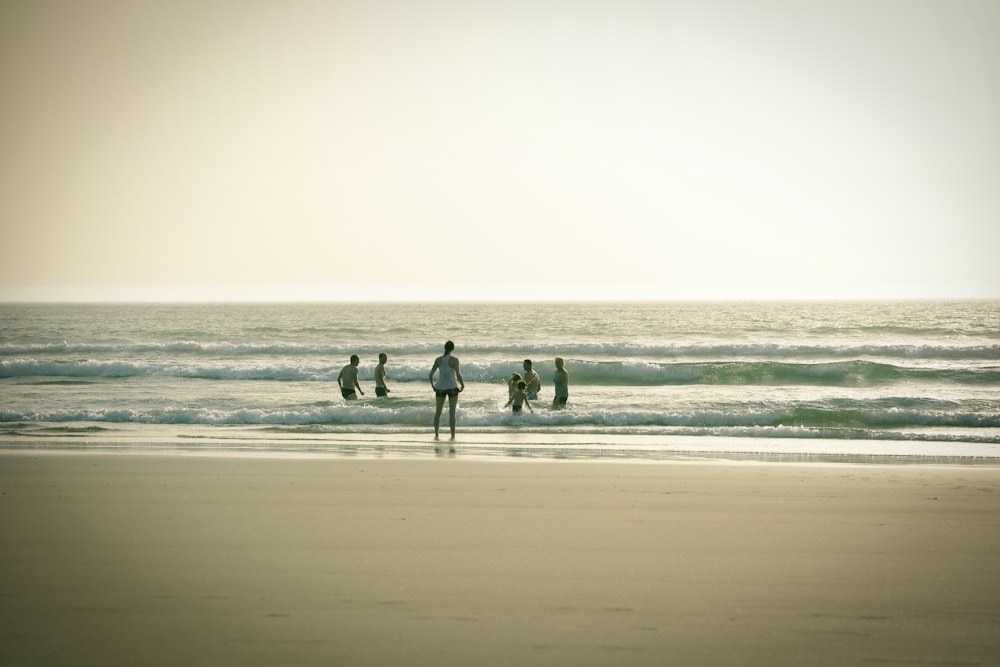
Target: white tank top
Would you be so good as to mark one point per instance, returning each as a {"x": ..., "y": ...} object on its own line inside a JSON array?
[{"x": 446, "y": 374}]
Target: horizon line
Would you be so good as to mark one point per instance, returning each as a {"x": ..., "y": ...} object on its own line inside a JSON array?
[{"x": 582, "y": 293}]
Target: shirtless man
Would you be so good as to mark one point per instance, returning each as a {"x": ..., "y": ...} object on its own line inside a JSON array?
[
  {"x": 532, "y": 383},
  {"x": 348, "y": 380},
  {"x": 448, "y": 385},
  {"x": 561, "y": 380},
  {"x": 380, "y": 389}
]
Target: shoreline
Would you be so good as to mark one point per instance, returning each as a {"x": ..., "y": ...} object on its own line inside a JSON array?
[
  {"x": 486, "y": 455},
  {"x": 476, "y": 444},
  {"x": 119, "y": 558}
]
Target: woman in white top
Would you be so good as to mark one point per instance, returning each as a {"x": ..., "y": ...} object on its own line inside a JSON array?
[{"x": 449, "y": 383}]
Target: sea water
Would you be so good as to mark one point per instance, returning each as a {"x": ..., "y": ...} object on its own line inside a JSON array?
[{"x": 783, "y": 381}]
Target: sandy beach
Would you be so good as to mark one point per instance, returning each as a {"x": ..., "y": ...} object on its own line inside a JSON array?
[{"x": 132, "y": 559}]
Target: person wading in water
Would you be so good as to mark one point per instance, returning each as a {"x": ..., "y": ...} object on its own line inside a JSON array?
[{"x": 448, "y": 385}]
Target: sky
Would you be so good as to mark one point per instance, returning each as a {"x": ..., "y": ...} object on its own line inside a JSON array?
[{"x": 513, "y": 150}]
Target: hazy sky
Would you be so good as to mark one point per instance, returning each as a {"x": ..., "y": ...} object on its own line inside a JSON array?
[{"x": 502, "y": 149}]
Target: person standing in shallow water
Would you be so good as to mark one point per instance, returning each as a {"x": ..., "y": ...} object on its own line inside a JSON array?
[
  {"x": 512, "y": 383},
  {"x": 561, "y": 380},
  {"x": 381, "y": 390},
  {"x": 532, "y": 383},
  {"x": 519, "y": 399},
  {"x": 448, "y": 385},
  {"x": 348, "y": 380}
]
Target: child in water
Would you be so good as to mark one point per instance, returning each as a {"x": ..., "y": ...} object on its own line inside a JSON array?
[
  {"x": 512, "y": 383},
  {"x": 519, "y": 398}
]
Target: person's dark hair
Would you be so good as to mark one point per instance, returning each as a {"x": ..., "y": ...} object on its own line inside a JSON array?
[
  {"x": 527, "y": 362},
  {"x": 355, "y": 358},
  {"x": 448, "y": 347}
]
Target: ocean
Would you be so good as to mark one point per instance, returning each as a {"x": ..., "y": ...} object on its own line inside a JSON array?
[{"x": 796, "y": 381}]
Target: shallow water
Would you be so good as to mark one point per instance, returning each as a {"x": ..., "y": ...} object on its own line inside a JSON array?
[{"x": 786, "y": 379}]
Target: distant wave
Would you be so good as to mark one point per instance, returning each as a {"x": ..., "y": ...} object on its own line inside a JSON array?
[
  {"x": 635, "y": 351},
  {"x": 27, "y": 368},
  {"x": 842, "y": 373},
  {"x": 182, "y": 348},
  {"x": 639, "y": 373}
]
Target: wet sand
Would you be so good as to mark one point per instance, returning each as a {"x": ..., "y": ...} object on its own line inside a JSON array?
[{"x": 130, "y": 559}]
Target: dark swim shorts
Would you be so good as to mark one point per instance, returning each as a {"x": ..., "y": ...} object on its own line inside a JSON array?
[
  {"x": 560, "y": 400},
  {"x": 381, "y": 392},
  {"x": 446, "y": 392},
  {"x": 348, "y": 393}
]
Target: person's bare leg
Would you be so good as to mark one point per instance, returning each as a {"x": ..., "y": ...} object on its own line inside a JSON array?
[
  {"x": 437, "y": 415},
  {"x": 452, "y": 404}
]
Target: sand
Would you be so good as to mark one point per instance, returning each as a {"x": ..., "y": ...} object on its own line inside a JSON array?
[{"x": 131, "y": 559}]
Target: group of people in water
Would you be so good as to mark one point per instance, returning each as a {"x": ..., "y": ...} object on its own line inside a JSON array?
[{"x": 521, "y": 388}]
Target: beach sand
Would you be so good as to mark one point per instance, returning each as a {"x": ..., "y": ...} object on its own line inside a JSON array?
[{"x": 133, "y": 559}]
